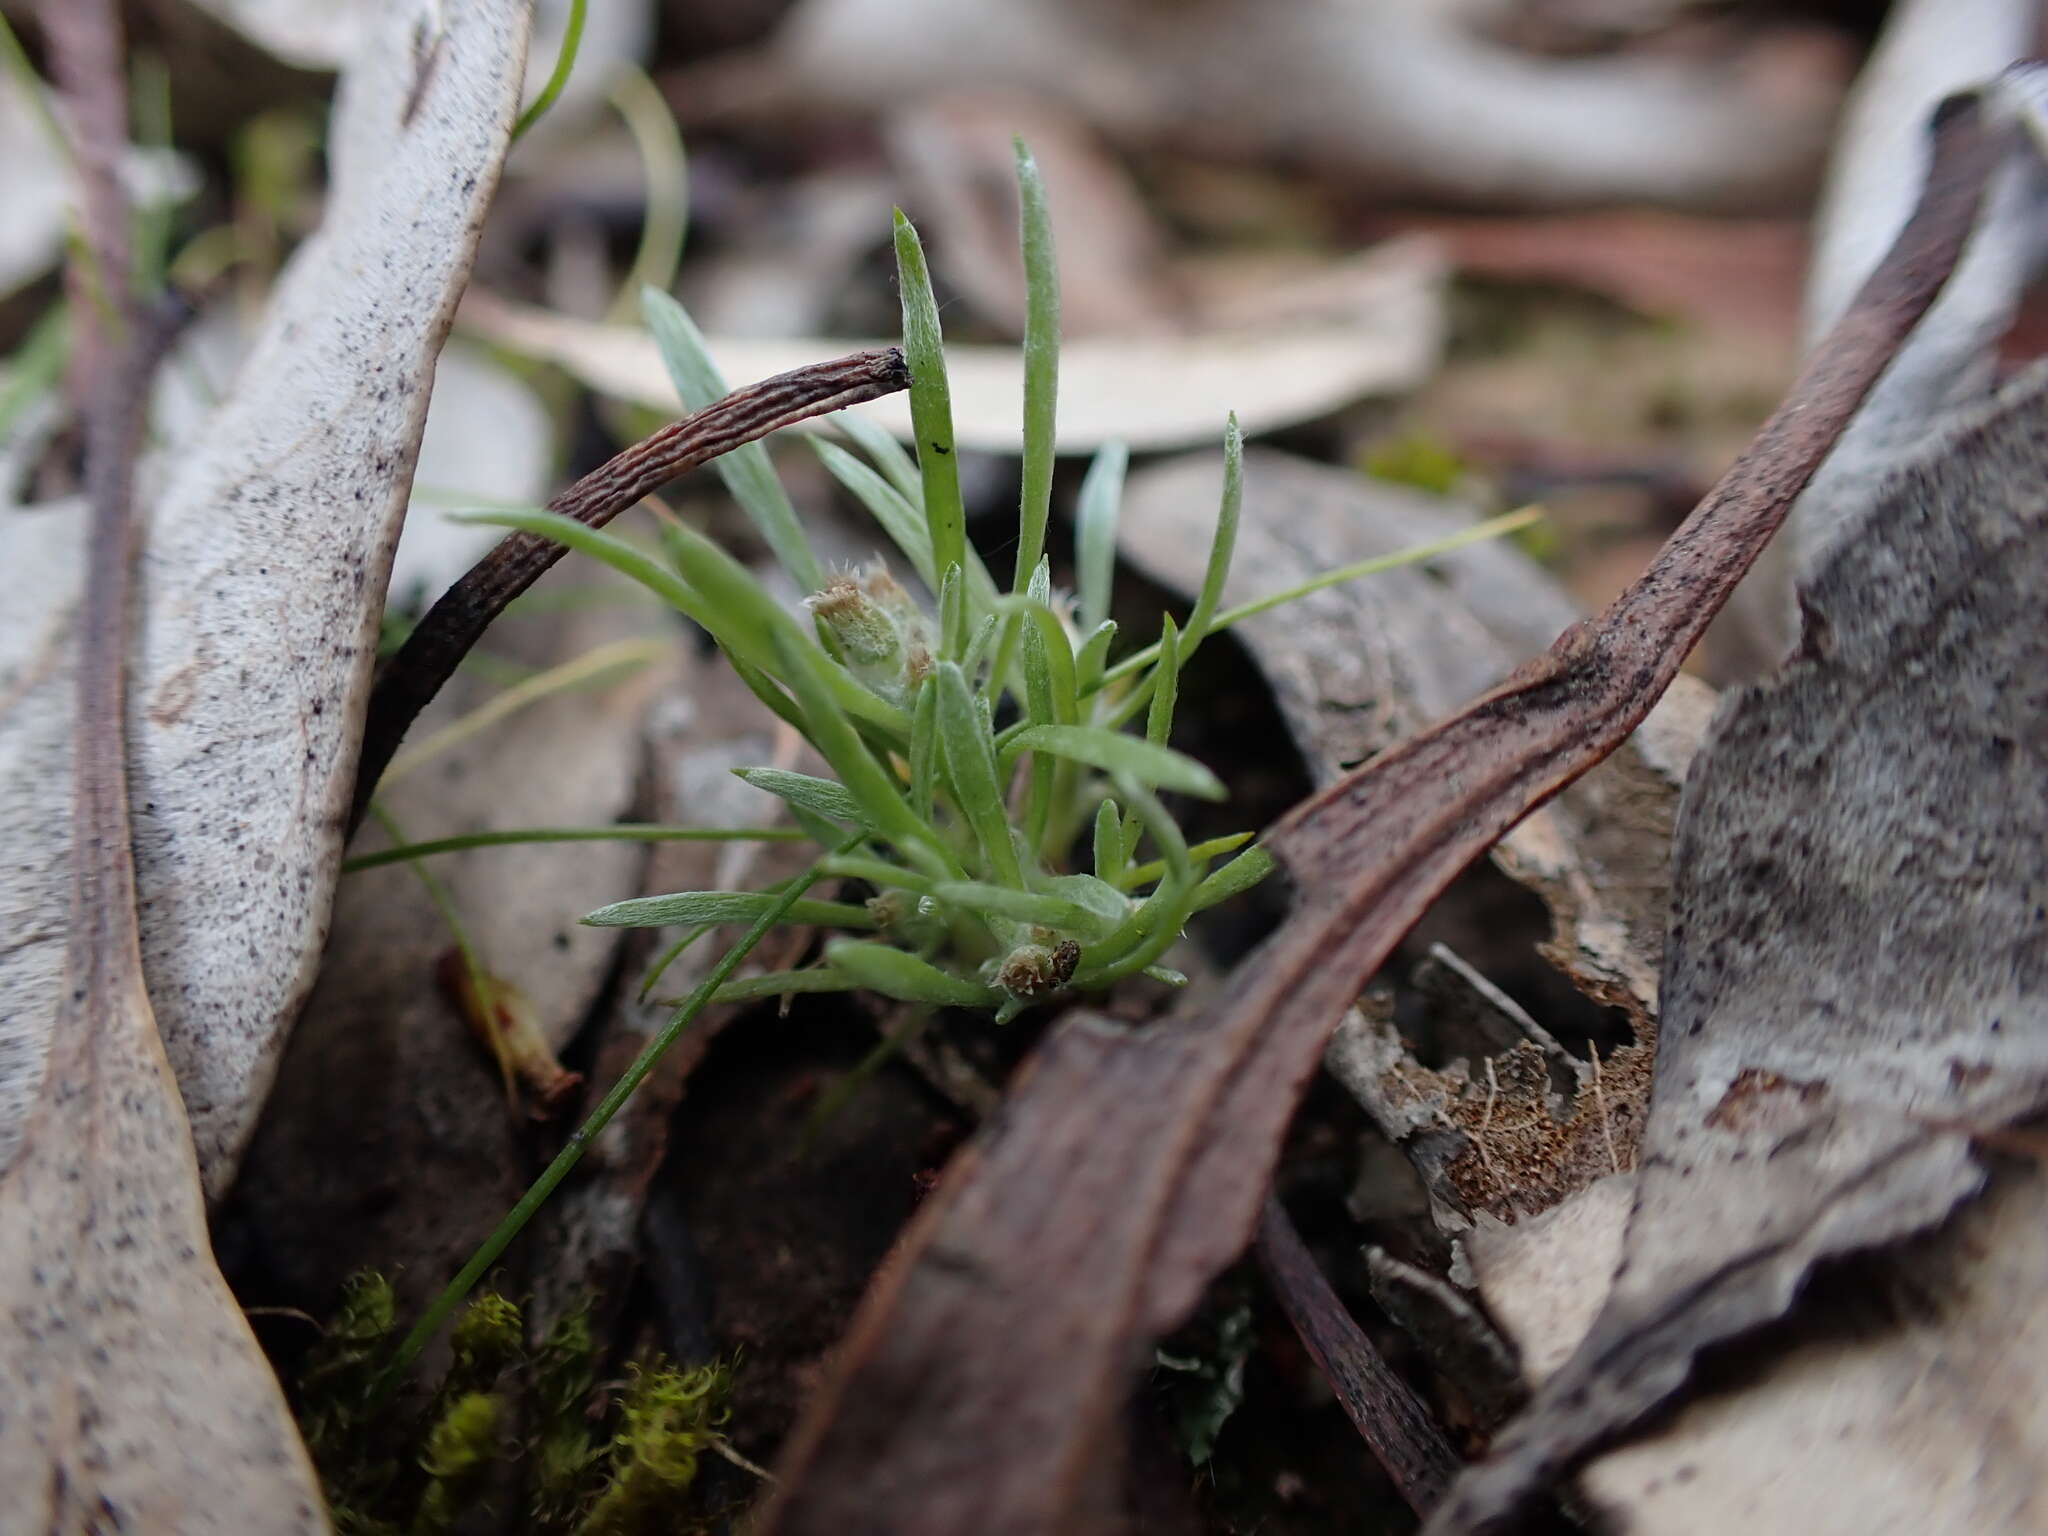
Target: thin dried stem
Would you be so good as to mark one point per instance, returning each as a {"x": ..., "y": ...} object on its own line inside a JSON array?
[{"x": 456, "y": 622}]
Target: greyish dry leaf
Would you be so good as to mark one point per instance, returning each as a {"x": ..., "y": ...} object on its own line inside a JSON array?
[
  {"x": 1364, "y": 326},
  {"x": 1858, "y": 958},
  {"x": 262, "y": 578}
]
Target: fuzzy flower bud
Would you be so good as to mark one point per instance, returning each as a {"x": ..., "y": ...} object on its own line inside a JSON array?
[
  {"x": 879, "y": 629},
  {"x": 1034, "y": 970}
]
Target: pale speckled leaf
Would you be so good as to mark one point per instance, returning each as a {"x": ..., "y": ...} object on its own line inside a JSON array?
[{"x": 268, "y": 552}]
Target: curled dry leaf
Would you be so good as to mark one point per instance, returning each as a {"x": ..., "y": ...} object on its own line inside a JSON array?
[
  {"x": 263, "y": 574},
  {"x": 1373, "y": 325}
]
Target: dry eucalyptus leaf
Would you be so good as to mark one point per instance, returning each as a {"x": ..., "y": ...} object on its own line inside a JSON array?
[
  {"x": 1373, "y": 327},
  {"x": 1400, "y": 93},
  {"x": 268, "y": 551},
  {"x": 262, "y": 579},
  {"x": 1858, "y": 954}
]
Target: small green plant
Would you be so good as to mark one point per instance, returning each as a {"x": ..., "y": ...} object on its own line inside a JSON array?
[
  {"x": 977, "y": 737},
  {"x": 974, "y": 733}
]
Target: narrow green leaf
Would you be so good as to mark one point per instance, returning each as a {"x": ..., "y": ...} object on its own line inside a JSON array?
[
  {"x": 878, "y": 872},
  {"x": 1041, "y": 365},
  {"x": 822, "y": 797},
  {"x": 924, "y": 750},
  {"x": 1109, "y": 843},
  {"x": 750, "y": 989},
  {"x": 1167, "y": 975},
  {"x": 1166, "y": 687},
  {"x": 955, "y": 613},
  {"x": 883, "y": 451},
  {"x": 1156, "y": 924},
  {"x": 832, "y": 733},
  {"x": 768, "y": 691},
  {"x": 1040, "y": 708},
  {"x": 627, "y": 559},
  {"x": 899, "y": 519},
  {"x": 978, "y": 647},
  {"x": 1145, "y": 761},
  {"x": 624, "y": 832},
  {"x": 904, "y": 977},
  {"x": 1095, "y": 515},
  {"x": 1240, "y": 874},
  {"x": 558, "y": 77},
  {"x": 1144, "y": 874},
  {"x": 1225, "y": 542},
  {"x": 984, "y": 901},
  {"x": 931, "y": 400},
  {"x": 1093, "y": 657},
  {"x": 748, "y": 472},
  {"x": 971, "y": 763},
  {"x": 723, "y": 907}
]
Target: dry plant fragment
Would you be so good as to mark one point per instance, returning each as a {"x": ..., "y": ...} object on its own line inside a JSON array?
[{"x": 454, "y": 624}]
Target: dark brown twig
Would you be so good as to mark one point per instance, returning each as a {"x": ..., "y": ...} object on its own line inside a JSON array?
[
  {"x": 457, "y": 621},
  {"x": 1394, "y": 1423},
  {"x": 990, "y": 1361}
]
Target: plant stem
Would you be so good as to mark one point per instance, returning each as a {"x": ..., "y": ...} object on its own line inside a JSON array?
[{"x": 624, "y": 833}]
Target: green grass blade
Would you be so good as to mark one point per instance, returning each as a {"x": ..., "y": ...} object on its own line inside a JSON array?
[
  {"x": 1224, "y": 544},
  {"x": 666, "y": 223},
  {"x": 931, "y": 401},
  {"x": 1143, "y": 874},
  {"x": 1492, "y": 528},
  {"x": 623, "y": 833},
  {"x": 1145, "y": 761},
  {"x": 880, "y": 873},
  {"x": 971, "y": 764},
  {"x": 924, "y": 750},
  {"x": 953, "y": 614},
  {"x": 627, "y": 559},
  {"x": 1095, "y": 514},
  {"x": 748, "y": 472},
  {"x": 751, "y": 989},
  {"x": 1041, "y": 365},
  {"x": 895, "y": 973},
  {"x": 565, "y": 62},
  {"x": 1165, "y": 686},
  {"x": 723, "y": 907}
]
